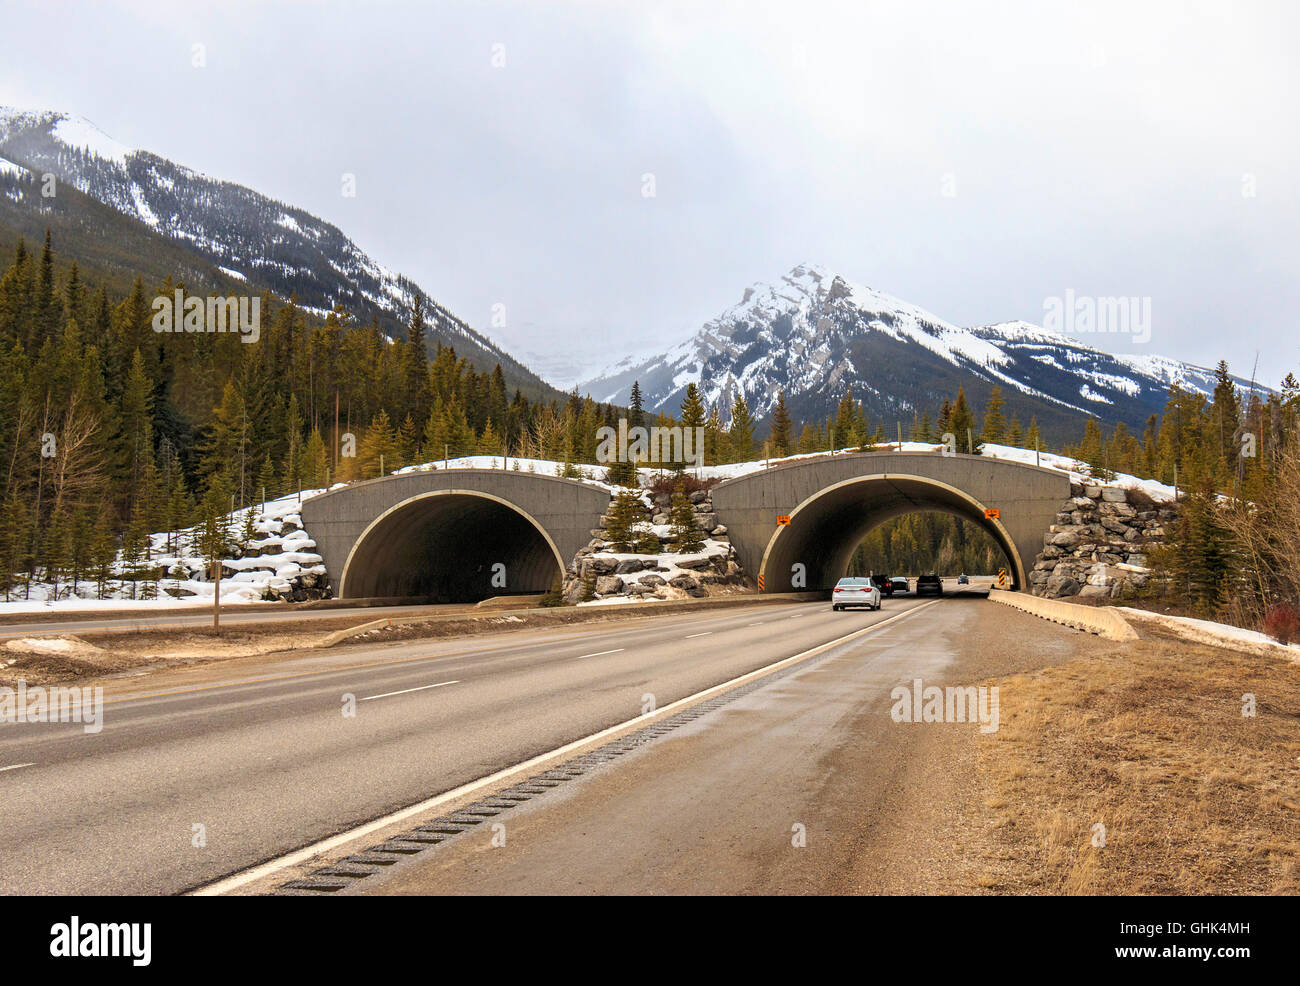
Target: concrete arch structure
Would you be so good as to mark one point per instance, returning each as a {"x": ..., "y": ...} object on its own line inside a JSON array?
[
  {"x": 833, "y": 502},
  {"x": 438, "y": 535}
]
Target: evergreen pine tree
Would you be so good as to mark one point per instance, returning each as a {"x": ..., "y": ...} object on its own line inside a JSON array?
[
  {"x": 687, "y": 535},
  {"x": 740, "y": 434},
  {"x": 995, "y": 424},
  {"x": 781, "y": 427}
]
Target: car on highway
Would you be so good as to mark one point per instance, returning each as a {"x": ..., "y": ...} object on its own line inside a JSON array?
[
  {"x": 883, "y": 583},
  {"x": 855, "y": 592},
  {"x": 963, "y": 579},
  {"x": 929, "y": 583},
  {"x": 900, "y": 583}
]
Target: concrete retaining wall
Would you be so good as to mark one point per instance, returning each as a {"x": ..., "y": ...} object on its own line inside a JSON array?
[{"x": 1101, "y": 620}]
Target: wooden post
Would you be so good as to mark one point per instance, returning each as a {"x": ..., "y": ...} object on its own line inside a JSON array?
[{"x": 216, "y": 593}]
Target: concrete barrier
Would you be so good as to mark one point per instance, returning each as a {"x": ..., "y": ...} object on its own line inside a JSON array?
[{"x": 1101, "y": 620}]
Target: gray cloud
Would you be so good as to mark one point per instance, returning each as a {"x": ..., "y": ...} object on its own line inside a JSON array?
[{"x": 1102, "y": 149}]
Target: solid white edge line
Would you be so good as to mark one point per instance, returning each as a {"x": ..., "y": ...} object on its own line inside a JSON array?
[
  {"x": 599, "y": 653},
  {"x": 15, "y": 766},
  {"x": 706, "y": 633},
  {"x": 325, "y": 845},
  {"x": 407, "y": 691}
]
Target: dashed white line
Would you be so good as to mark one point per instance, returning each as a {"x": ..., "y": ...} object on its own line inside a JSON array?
[
  {"x": 15, "y": 766},
  {"x": 407, "y": 691},
  {"x": 704, "y": 634},
  {"x": 600, "y": 653}
]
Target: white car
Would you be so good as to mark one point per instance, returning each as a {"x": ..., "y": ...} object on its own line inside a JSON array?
[{"x": 855, "y": 592}]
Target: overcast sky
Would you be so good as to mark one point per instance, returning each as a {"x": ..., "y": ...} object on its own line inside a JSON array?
[{"x": 972, "y": 158}]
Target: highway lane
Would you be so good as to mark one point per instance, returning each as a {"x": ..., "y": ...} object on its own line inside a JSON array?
[
  {"x": 267, "y": 766},
  {"x": 804, "y": 785}
]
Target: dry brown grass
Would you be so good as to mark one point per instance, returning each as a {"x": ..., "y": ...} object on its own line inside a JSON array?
[{"x": 1149, "y": 740}]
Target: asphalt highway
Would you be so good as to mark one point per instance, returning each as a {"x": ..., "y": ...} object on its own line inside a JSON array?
[{"x": 184, "y": 786}]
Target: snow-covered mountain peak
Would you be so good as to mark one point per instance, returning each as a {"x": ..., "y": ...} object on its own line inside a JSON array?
[
  {"x": 248, "y": 236},
  {"x": 815, "y": 334}
]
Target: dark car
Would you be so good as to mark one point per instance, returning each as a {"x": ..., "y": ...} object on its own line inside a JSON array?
[
  {"x": 963, "y": 579},
  {"x": 929, "y": 583},
  {"x": 884, "y": 584},
  {"x": 900, "y": 583}
]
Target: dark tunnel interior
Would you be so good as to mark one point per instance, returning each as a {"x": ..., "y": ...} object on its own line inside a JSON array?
[{"x": 449, "y": 548}]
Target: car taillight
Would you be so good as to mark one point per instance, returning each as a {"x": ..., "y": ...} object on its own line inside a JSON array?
[{"x": 838, "y": 589}]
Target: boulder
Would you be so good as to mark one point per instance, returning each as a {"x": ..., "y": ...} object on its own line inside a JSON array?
[
  {"x": 699, "y": 496},
  {"x": 1114, "y": 494},
  {"x": 609, "y": 585},
  {"x": 1064, "y": 539},
  {"x": 693, "y": 563},
  {"x": 1061, "y": 585},
  {"x": 628, "y": 565},
  {"x": 604, "y": 566}
]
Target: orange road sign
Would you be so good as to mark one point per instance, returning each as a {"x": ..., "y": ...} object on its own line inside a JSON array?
[
  {"x": 1002, "y": 578},
  {"x": 760, "y": 583},
  {"x": 992, "y": 513},
  {"x": 782, "y": 519}
]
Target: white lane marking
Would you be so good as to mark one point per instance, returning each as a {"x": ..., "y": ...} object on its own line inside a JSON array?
[
  {"x": 600, "y": 653},
  {"x": 407, "y": 691},
  {"x": 758, "y": 624},
  {"x": 15, "y": 766},
  {"x": 704, "y": 634},
  {"x": 528, "y": 766}
]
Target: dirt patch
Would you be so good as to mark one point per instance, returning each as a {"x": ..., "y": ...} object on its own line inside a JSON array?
[
  {"x": 1149, "y": 740},
  {"x": 49, "y": 660},
  {"x": 118, "y": 652}
]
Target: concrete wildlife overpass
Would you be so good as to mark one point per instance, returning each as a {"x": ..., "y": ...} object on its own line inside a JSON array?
[
  {"x": 445, "y": 534},
  {"x": 439, "y": 534},
  {"x": 814, "y": 512}
]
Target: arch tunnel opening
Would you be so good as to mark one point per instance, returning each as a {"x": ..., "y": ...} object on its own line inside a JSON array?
[
  {"x": 451, "y": 547},
  {"x": 823, "y": 533},
  {"x": 928, "y": 541}
]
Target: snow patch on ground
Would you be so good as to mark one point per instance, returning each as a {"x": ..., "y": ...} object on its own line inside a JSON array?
[
  {"x": 593, "y": 475},
  {"x": 187, "y": 575},
  {"x": 9, "y": 168},
  {"x": 1209, "y": 632},
  {"x": 77, "y": 131}
]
